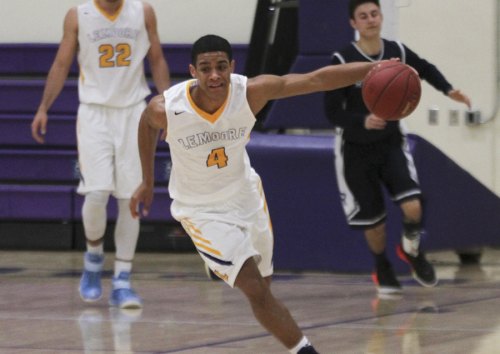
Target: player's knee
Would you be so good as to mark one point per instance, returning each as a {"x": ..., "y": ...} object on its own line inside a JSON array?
[
  {"x": 97, "y": 197},
  {"x": 94, "y": 214},
  {"x": 251, "y": 283},
  {"x": 376, "y": 231}
]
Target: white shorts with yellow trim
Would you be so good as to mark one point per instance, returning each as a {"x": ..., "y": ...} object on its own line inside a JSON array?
[{"x": 228, "y": 233}]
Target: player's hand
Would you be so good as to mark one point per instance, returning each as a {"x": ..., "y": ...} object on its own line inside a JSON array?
[
  {"x": 141, "y": 199},
  {"x": 39, "y": 127},
  {"x": 458, "y": 96},
  {"x": 374, "y": 122}
]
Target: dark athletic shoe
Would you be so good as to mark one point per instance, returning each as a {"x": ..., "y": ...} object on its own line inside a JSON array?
[
  {"x": 422, "y": 270},
  {"x": 386, "y": 281},
  {"x": 308, "y": 349}
]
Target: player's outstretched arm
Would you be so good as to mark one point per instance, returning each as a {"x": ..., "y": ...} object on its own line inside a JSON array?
[
  {"x": 153, "y": 119},
  {"x": 264, "y": 88}
]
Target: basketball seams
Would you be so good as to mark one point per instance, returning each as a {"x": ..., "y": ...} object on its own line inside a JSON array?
[
  {"x": 403, "y": 103},
  {"x": 387, "y": 87},
  {"x": 405, "y": 107},
  {"x": 378, "y": 70},
  {"x": 412, "y": 98},
  {"x": 391, "y": 95}
]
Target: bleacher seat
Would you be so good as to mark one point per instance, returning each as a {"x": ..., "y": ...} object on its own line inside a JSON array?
[
  {"x": 15, "y": 131},
  {"x": 57, "y": 166},
  {"x": 36, "y": 202},
  {"x": 21, "y": 96}
]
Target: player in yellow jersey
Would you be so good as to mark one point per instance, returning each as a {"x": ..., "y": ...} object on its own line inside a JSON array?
[
  {"x": 217, "y": 196},
  {"x": 111, "y": 39}
]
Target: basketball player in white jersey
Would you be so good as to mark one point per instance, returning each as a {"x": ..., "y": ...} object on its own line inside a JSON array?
[
  {"x": 217, "y": 196},
  {"x": 111, "y": 39}
]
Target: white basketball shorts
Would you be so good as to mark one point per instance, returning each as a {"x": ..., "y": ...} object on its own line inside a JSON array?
[
  {"x": 108, "y": 153},
  {"x": 228, "y": 233}
]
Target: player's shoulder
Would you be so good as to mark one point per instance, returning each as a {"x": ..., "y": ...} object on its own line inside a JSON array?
[
  {"x": 348, "y": 49},
  {"x": 88, "y": 6},
  {"x": 347, "y": 54},
  {"x": 238, "y": 80},
  {"x": 258, "y": 84},
  {"x": 71, "y": 19},
  {"x": 146, "y": 5},
  {"x": 73, "y": 11},
  {"x": 177, "y": 91},
  {"x": 392, "y": 46},
  {"x": 85, "y": 10},
  {"x": 240, "y": 86},
  {"x": 156, "y": 105}
]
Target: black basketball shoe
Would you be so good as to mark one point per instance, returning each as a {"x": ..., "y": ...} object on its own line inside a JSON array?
[
  {"x": 422, "y": 270},
  {"x": 308, "y": 349},
  {"x": 386, "y": 280}
]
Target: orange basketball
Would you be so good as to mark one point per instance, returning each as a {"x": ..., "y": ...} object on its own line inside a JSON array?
[{"x": 391, "y": 90}]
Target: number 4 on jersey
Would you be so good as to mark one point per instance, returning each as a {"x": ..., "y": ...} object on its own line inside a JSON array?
[{"x": 217, "y": 157}]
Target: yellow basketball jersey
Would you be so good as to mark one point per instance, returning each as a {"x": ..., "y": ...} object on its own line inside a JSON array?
[
  {"x": 111, "y": 54},
  {"x": 209, "y": 159}
]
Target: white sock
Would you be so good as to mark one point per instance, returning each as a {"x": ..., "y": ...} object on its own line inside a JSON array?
[
  {"x": 121, "y": 266},
  {"x": 411, "y": 246},
  {"x": 99, "y": 249},
  {"x": 302, "y": 343}
]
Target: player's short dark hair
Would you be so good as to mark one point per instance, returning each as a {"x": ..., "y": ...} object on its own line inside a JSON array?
[
  {"x": 353, "y": 5},
  {"x": 210, "y": 43}
]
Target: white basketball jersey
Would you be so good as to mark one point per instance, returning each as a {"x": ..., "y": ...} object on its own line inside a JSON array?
[
  {"x": 208, "y": 151},
  {"x": 111, "y": 54}
]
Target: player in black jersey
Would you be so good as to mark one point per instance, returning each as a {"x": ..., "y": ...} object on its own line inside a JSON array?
[{"x": 371, "y": 152}]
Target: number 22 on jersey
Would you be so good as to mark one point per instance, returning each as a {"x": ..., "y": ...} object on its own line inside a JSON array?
[
  {"x": 107, "y": 55},
  {"x": 217, "y": 157}
]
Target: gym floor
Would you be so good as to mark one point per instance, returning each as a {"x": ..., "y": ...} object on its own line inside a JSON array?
[{"x": 185, "y": 312}]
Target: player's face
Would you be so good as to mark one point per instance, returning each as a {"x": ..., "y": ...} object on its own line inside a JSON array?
[
  {"x": 213, "y": 71},
  {"x": 367, "y": 20}
]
